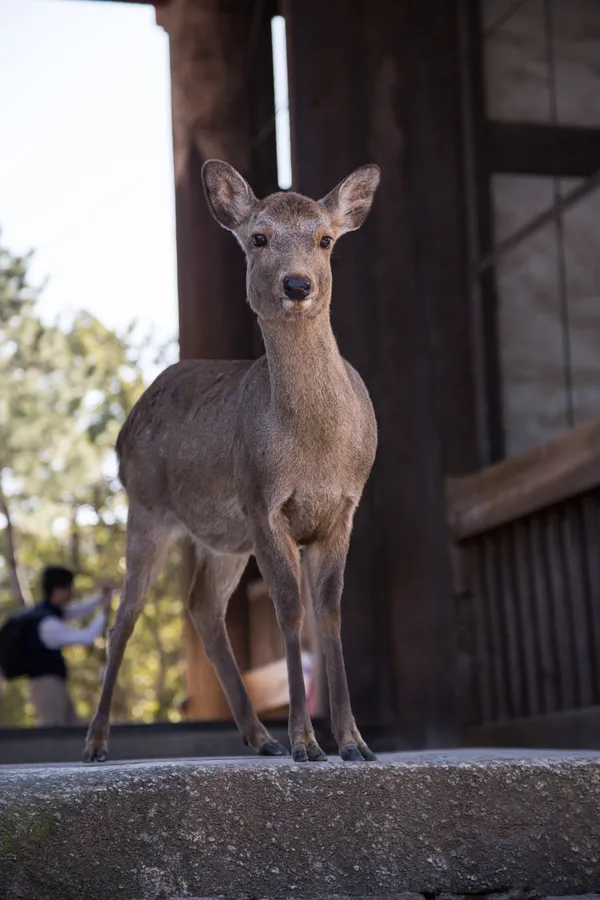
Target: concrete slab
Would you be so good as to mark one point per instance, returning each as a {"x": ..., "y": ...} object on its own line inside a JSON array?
[{"x": 517, "y": 823}]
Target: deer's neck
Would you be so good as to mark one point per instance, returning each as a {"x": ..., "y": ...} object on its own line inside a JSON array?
[{"x": 306, "y": 369}]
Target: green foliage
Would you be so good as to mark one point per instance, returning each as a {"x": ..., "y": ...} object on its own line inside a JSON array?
[{"x": 64, "y": 394}]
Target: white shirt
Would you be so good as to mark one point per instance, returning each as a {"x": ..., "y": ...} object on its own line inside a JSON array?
[{"x": 54, "y": 633}]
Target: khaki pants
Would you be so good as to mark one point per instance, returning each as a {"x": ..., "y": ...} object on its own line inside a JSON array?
[{"x": 53, "y": 706}]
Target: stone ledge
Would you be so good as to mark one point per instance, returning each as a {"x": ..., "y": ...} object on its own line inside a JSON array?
[{"x": 510, "y": 823}]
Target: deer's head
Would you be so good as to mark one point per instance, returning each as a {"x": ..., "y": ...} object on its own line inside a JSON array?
[{"x": 288, "y": 238}]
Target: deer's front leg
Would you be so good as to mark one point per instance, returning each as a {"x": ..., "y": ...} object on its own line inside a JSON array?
[
  {"x": 326, "y": 562},
  {"x": 279, "y": 561}
]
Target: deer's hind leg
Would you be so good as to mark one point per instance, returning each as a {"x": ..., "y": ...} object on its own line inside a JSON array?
[
  {"x": 147, "y": 542},
  {"x": 215, "y": 579}
]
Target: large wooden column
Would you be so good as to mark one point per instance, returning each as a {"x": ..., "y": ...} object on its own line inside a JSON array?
[
  {"x": 380, "y": 82},
  {"x": 220, "y": 101}
]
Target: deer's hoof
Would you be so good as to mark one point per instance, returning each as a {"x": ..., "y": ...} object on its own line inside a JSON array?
[
  {"x": 308, "y": 753},
  {"x": 299, "y": 753},
  {"x": 357, "y": 753},
  {"x": 272, "y": 748},
  {"x": 95, "y": 754},
  {"x": 367, "y": 754},
  {"x": 315, "y": 754}
]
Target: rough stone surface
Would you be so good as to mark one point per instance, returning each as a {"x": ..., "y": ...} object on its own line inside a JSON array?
[{"x": 515, "y": 824}]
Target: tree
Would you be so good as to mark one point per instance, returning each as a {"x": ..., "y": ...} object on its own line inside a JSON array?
[
  {"x": 16, "y": 300},
  {"x": 64, "y": 393}
]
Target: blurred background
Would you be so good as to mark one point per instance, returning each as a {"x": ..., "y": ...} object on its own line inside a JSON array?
[
  {"x": 88, "y": 312},
  {"x": 470, "y": 303}
]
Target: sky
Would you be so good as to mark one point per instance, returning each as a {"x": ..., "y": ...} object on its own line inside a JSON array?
[
  {"x": 86, "y": 169},
  {"x": 86, "y": 166}
]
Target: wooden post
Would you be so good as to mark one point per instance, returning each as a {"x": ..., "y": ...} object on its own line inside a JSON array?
[
  {"x": 214, "y": 75},
  {"x": 383, "y": 85}
]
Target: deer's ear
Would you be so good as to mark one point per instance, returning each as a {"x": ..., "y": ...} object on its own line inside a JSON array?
[
  {"x": 229, "y": 196},
  {"x": 349, "y": 203}
]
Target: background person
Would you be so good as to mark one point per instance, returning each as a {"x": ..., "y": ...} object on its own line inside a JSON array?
[{"x": 48, "y": 632}]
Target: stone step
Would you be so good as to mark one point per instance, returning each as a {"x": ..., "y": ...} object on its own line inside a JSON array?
[
  {"x": 164, "y": 740},
  {"x": 503, "y": 824}
]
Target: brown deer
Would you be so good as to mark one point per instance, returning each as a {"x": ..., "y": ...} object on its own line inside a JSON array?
[{"x": 266, "y": 457}]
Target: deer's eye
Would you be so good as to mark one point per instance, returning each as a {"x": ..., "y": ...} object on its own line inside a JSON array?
[
  {"x": 325, "y": 242},
  {"x": 259, "y": 240}
]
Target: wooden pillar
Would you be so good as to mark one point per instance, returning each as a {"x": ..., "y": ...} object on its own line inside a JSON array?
[
  {"x": 382, "y": 84},
  {"x": 220, "y": 106}
]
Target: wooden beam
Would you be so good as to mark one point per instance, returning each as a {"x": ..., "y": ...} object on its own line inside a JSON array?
[
  {"x": 532, "y": 149},
  {"x": 211, "y": 119},
  {"x": 573, "y": 729},
  {"x": 220, "y": 94},
  {"x": 400, "y": 315},
  {"x": 482, "y": 288},
  {"x": 524, "y": 484}
]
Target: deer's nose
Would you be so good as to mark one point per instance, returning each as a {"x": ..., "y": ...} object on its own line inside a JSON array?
[{"x": 296, "y": 287}]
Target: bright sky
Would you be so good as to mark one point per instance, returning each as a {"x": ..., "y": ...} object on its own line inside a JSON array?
[{"x": 86, "y": 173}]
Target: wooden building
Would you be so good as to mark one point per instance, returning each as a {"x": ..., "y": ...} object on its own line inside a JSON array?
[{"x": 470, "y": 303}]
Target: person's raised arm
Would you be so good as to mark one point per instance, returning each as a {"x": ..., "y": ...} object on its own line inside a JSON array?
[
  {"x": 54, "y": 633},
  {"x": 82, "y": 608}
]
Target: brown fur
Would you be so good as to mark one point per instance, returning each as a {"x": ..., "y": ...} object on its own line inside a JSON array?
[{"x": 257, "y": 457}]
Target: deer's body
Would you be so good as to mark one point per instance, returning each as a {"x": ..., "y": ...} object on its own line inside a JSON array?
[
  {"x": 257, "y": 457},
  {"x": 189, "y": 450}
]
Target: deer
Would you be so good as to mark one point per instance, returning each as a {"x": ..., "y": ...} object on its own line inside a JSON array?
[{"x": 265, "y": 457}]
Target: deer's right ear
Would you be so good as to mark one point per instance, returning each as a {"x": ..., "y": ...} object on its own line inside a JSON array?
[{"x": 229, "y": 196}]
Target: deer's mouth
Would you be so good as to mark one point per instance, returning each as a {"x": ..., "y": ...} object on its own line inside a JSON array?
[{"x": 297, "y": 306}]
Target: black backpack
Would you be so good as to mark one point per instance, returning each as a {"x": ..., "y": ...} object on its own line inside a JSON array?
[{"x": 14, "y": 643}]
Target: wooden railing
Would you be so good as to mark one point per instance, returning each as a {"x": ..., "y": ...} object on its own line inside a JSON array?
[{"x": 527, "y": 532}]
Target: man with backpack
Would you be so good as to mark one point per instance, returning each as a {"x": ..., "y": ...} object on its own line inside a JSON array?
[{"x": 31, "y": 643}]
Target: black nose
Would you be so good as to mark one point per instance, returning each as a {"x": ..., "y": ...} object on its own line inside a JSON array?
[{"x": 296, "y": 287}]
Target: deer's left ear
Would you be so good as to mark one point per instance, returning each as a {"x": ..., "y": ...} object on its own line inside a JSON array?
[{"x": 349, "y": 203}]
